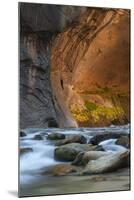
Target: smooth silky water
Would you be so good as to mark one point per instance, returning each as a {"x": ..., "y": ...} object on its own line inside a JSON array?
[{"x": 32, "y": 164}]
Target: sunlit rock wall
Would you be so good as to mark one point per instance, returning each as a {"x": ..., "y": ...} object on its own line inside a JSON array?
[{"x": 90, "y": 67}]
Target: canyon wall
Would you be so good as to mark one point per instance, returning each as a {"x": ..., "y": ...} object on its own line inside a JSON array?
[
  {"x": 74, "y": 66},
  {"x": 90, "y": 67},
  {"x": 39, "y": 25}
]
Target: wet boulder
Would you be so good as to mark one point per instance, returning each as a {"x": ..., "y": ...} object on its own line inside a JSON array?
[
  {"x": 25, "y": 150},
  {"x": 124, "y": 141},
  {"x": 84, "y": 157},
  {"x": 22, "y": 134},
  {"x": 38, "y": 137},
  {"x": 73, "y": 139},
  {"x": 56, "y": 136},
  {"x": 109, "y": 163},
  {"x": 104, "y": 136},
  {"x": 69, "y": 152}
]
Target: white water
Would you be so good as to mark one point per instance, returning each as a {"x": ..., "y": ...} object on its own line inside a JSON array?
[
  {"x": 110, "y": 146},
  {"x": 33, "y": 163}
]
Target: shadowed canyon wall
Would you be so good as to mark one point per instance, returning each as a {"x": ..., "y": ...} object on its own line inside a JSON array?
[
  {"x": 74, "y": 66},
  {"x": 39, "y": 25}
]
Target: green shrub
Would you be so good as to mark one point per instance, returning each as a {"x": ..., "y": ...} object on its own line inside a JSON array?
[{"x": 90, "y": 105}]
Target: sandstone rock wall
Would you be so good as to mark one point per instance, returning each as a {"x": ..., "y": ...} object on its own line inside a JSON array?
[
  {"x": 90, "y": 66},
  {"x": 74, "y": 66}
]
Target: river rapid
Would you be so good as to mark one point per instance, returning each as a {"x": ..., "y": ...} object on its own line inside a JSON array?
[{"x": 33, "y": 163}]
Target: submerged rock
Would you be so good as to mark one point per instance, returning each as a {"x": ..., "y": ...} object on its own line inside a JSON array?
[
  {"x": 38, "y": 137},
  {"x": 62, "y": 169},
  {"x": 108, "y": 163},
  {"x": 56, "y": 136},
  {"x": 73, "y": 139},
  {"x": 69, "y": 152},
  {"x": 124, "y": 141},
  {"x": 84, "y": 157},
  {"x": 22, "y": 134},
  {"x": 25, "y": 150}
]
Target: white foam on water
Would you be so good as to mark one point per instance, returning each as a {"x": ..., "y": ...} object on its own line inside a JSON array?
[
  {"x": 42, "y": 156},
  {"x": 108, "y": 142},
  {"x": 110, "y": 146}
]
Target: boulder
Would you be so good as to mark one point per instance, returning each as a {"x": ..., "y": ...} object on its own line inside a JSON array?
[
  {"x": 109, "y": 163},
  {"x": 22, "y": 134},
  {"x": 73, "y": 139},
  {"x": 25, "y": 150},
  {"x": 124, "y": 141},
  {"x": 56, "y": 136},
  {"x": 84, "y": 157},
  {"x": 38, "y": 137},
  {"x": 104, "y": 136},
  {"x": 69, "y": 152}
]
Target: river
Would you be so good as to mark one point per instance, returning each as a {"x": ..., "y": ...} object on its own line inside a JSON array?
[{"x": 33, "y": 163}]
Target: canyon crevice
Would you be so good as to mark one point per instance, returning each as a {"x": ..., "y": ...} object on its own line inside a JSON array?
[{"x": 74, "y": 66}]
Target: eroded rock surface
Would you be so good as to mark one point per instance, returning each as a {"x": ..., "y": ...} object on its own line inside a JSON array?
[
  {"x": 39, "y": 25},
  {"x": 108, "y": 163},
  {"x": 84, "y": 157},
  {"x": 74, "y": 66},
  {"x": 90, "y": 68}
]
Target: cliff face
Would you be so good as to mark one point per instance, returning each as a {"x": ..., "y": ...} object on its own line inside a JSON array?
[
  {"x": 90, "y": 67},
  {"x": 74, "y": 66},
  {"x": 39, "y": 25},
  {"x": 36, "y": 105}
]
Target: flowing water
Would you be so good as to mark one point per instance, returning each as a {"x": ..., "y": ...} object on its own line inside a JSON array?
[{"x": 33, "y": 163}]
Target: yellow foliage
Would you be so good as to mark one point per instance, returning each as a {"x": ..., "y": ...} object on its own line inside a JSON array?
[{"x": 84, "y": 114}]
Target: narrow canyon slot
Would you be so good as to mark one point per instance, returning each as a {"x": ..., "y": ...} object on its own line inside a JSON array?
[{"x": 74, "y": 99}]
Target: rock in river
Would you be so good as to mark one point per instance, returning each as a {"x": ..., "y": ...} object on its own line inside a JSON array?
[
  {"x": 38, "y": 137},
  {"x": 22, "y": 134},
  {"x": 84, "y": 157},
  {"x": 104, "y": 136},
  {"x": 124, "y": 141},
  {"x": 56, "y": 136},
  {"x": 62, "y": 169},
  {"x": 108, "y": 163},
  {"x": 73, "y": 139},
  {"x": 69, "y": 152},
  {"x": 25, "y": 150}
]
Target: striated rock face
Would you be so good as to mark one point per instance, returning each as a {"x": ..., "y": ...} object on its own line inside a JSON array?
[
  {"x": 74, "y": 66},
  {"x": 36, "y": 105},
  {"x": 39, "y": 24},
  {"x": 90, "y": 68},
  {"x": 46, "y": 17}
]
